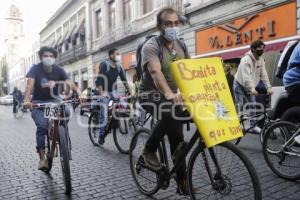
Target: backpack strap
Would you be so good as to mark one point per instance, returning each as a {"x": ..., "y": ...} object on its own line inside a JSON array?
[
  {"x": 184, "y": 47},
  {"x": 161, "y": 50},
  {"x": 181, "y": 44}
]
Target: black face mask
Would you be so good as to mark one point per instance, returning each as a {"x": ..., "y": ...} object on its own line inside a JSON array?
[{"x": 259, "y": 52}]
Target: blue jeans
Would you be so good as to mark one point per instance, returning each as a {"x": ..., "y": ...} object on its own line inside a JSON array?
[
  {"x": 42, "y": 124},
  {"x": 241, "y": 97},
  {"x": 103, "y": 112}
]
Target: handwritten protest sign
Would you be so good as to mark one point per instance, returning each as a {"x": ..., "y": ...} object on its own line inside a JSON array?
[{"x": 208, "y": 99}]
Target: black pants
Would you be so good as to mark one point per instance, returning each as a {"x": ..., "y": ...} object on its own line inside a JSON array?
[
  {"x": 15, "y": 104},
  {"x": 294, "y": 94},
  {"x": 163, "y": 110}
]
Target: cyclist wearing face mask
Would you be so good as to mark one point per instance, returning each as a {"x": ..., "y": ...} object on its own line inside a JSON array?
[
  {"x": 250, "y": 72},
  {"x": 158, "y": 89},
  {"x": 109, "y": 71},
  {"x": 41, "y": 83}
]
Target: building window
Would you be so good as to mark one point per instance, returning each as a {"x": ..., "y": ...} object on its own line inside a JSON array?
[
  {"x": 127, "y": 6},
  {"x": 98, "y": 23},
  {"x": 112, "y": 14},
  {"x": 147, "y": 6}
]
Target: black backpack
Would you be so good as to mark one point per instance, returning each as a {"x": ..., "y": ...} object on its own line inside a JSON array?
[
  {"x": 139, "y": 67},
  {"x": 284, "y": 58}
]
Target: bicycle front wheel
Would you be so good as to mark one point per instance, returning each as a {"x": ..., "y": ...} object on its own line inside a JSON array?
[
  {"x": 123, "y": 133},
  {"x": 284, "y": 160},
  {"x": 94, "y": 128},
  {"x": 236, "y": 179},
  {"x": 64, "y": 159},
  {"x": 145, "y": 179}
]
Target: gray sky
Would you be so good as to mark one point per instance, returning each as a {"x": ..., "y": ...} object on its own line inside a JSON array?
[{"x": 35, "y": 15}]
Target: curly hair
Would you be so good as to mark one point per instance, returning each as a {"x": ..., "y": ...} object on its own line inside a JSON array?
[{"x": 47, "y": 49}]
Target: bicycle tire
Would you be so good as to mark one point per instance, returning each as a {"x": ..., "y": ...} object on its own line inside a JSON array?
[
  {"x": 277, "y": 130},
  {"x": 264, "y": 130},
  {"x": 136, "y": 157},
  {"x": 123, "y": 139},
  {"x": 49, "y": 158},
  {"x": 207, "y": 191},
  {"x": 64, "y": 160},
  {"x": 94, "y": 117}
]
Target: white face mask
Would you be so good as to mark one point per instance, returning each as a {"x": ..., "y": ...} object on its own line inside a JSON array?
[
  {"x": 118, "y": 58},
  {"x": 172, "y": 34},
  {"x": 48, "y": 61}
]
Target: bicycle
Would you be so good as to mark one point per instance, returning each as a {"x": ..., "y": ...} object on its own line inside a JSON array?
[
  {"x": 19, "y": 112},
  {"x": 139, "y": 120},
  {"x": 280, "y": 150},
  {"x": 58, "y": 138},
  {"x": 119, "y": 121},
  {"x": 262, "y": 119},
  {"x": 217, "y": 167}
]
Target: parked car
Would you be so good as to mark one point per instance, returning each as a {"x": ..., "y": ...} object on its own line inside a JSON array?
[{"x": 6, "y": 100}]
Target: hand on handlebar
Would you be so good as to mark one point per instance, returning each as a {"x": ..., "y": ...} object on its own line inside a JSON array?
[
  {"x": 254, "y": 92},
  {"x": 27, "y": 105},
  {"x": 176, "y": 98},
  {"x": 270, "y": 91}
]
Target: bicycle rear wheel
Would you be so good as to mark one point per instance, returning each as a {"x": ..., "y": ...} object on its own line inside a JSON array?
[
  {"x": 64, "y": 159},
  {"x": 123, "y": 133},
  {"x": 238, "y": 179},
  {"x": 145, "y": 179},
  {"x": 284, "y": 161},
  {"x": 94, "y": 128}
]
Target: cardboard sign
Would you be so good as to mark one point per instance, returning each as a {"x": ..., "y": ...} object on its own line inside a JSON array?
[{"x": 208, "y": 99}]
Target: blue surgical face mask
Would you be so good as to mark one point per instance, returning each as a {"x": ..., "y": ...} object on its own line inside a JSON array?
[{"x": 172, "y": 34}]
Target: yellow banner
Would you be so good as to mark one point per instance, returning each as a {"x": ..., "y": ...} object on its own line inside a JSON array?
[{"x": 208, "y": 99}]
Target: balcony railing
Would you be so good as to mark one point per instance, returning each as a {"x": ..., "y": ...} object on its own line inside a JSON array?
[{"x": 72, "y": 55}]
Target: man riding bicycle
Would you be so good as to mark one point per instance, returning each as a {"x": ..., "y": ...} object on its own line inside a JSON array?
[
  {"x": 291, "y": 80},
  {"x": 158, "y": 90},
  {"x": 250, "y": 72},
  {"x": 17, "y": 99},
  {"x": 110, "y": 70},
  {"x": 42, "y": 84}
]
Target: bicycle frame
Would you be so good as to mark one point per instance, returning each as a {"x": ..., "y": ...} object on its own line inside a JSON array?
[
  {"x": 286, "y": 147},
  {"x": 168, "y": 174},
  {"x": 56, "y": 123}
]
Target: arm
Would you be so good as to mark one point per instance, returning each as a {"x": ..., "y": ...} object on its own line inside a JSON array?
[
  {"x": 246, "y": 74},
  {"x": 150, "y": 58},
  {"x": 159, "y": 79},
  {"x": 73, "y": 86},
  {"x": 265, "y": 79},
  {"x": 123, "y": 78}
]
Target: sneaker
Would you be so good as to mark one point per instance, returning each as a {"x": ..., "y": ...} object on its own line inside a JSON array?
[
  {"x": 297, "y": 139},
  {"x": 101, "y": 140},
  {"x": 43, "y": 165},
  {"x": 256, "y": 130},
  {"x": 151, "y": 159}
]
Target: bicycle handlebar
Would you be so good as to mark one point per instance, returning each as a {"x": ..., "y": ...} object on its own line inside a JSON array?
[{"x": 42, "y": 105}]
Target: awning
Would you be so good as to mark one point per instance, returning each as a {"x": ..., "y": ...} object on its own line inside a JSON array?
[
  {"x": 62, "y": 39},
  {"x": 275, "y": 45},
  {"x": 68, "y": 36},
  {"x": 240, "y": 53},
  {"x": 80, "y": 29},
  {"x": 57, "y": 41},
  {"x": 52, "y": 43}
]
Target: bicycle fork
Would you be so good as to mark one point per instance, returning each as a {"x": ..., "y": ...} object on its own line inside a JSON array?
[{"x": 218, "y": 180}]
